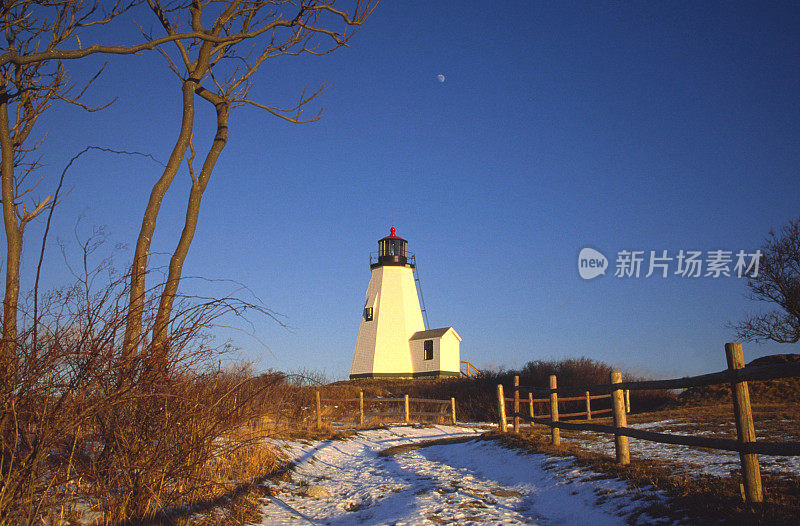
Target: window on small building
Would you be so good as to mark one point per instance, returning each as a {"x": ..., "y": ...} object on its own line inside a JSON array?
[
  {"x": 367, "y": 313},
  {"x": 428, "y": 346}
]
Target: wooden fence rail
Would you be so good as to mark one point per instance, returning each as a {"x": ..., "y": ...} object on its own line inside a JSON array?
[
  {"x": 404, "y": 412},
  {"x": 588, "y": 412},
  {"x": 468, "y": 370},
  {"x": 787, "y": 449},
  {"x": 737, "y": 375},
  {"x": 745, "y": 374}
]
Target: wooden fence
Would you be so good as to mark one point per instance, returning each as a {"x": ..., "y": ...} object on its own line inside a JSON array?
[
  {"x": 531, "y": 401},
  {"x": 737, "y": 375},
  {"x": 402, "y": 412}
]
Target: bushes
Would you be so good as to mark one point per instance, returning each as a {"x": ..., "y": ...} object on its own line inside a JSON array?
[
  {"x": 87, "y": 431},
  {"x": 571, "y": 371},
  {"x": 131, "y": 453}
]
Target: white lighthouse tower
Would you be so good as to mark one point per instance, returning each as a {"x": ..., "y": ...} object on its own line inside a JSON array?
[{"x": 392, "y": 340}]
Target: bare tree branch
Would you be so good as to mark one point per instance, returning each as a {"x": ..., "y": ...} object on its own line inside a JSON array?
[
  {"x": 777, "y": 283},
  {"x": 50, "y": 218}
]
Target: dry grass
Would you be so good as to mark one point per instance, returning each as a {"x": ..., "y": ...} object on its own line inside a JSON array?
[
  {"x": 780, "y": 391},
  {"x": 89, "y": 433},
  {"x": 703, "y": 498}
]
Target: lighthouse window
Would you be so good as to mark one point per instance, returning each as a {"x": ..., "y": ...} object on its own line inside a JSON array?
[
  {"x": 428, "y": 346},
  {"x": 367, "y": 313}
]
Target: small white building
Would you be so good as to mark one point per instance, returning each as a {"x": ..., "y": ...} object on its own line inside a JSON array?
[
  {"x": 392, "y": 339},
  {"x": 435, "y": 352}
]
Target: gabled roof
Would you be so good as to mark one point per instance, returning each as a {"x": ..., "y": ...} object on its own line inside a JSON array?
[{"x": 433, "y": 333}]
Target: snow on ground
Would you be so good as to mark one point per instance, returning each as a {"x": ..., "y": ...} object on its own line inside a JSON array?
[
  {"x": 694, "y": 460},
  {"x": 474, "y": 482}
]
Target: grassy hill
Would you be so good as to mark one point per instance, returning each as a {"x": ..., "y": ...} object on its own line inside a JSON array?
[{"x": 784, "y": 390}]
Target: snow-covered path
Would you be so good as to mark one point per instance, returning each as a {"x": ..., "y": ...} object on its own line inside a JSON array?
[{"x": 475, "y": 482}]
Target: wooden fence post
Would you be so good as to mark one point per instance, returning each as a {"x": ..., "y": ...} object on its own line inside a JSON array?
[
  {"x": 627, "y": 400},
  {"x": 407, "y": 416},
  {"x": 319, "y": 413},
  {"x": 516, "y": 404},
  {"x": 360, "y": 407},
  {"x": 588, "y": 406},
  {"x": 620, "y": 420},
  {"x": 501, "y": 408},
  {"x": 453, "y": 407},
  {"x": 530, "y": 406},
  {"x": 556, "y": 432},
  {"x": 745, "y": 431}
]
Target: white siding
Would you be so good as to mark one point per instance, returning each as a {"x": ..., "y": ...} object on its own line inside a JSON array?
[
  {"x": 450, "y": 357},
  {"x": 418, "y": 360},
  {"x": 382, "y": 345}
]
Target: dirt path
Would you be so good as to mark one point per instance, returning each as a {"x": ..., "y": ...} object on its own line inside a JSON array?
[{"x": 473, "y": 482}]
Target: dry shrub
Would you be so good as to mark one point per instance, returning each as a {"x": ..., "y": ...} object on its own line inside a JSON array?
[
  {"x": 88, "y": 433},
  {"x": 584, "y": 371},
  {"x": 476, "y": 397}
]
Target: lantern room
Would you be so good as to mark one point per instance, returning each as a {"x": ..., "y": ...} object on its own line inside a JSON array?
[{"x": 392, "y": 251}]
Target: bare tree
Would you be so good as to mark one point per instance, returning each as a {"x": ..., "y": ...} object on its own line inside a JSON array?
[
  {"x": 778, "y": 283},
  {"x": 218, "y": 69},
  {"x": 210, "y": 61},
  {"x": 28, "y": 88},
  {"x": 63, "y": 413}
]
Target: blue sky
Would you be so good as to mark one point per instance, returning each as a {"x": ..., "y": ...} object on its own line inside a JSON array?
[{"x": 560, "y": 125}]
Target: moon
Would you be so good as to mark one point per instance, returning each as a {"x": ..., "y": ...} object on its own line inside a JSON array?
[{"x": 440, "y": 77}]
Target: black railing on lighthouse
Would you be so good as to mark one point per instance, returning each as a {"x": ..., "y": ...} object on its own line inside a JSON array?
[{"x": 373, "y": 258}]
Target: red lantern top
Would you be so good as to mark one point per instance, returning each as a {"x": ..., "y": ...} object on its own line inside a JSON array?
[{"x": 393, "y": 234}]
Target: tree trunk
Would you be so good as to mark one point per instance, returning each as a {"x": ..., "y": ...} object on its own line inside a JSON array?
[
  {"x": 195, "y": 72},
  {"x": 133, "y": 327},
  {"x": 160, "y": 329},
  {"x": 13, "y": 247}
]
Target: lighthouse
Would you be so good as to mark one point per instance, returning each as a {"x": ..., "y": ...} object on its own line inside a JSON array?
[{"x": 392, "y": 338}]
